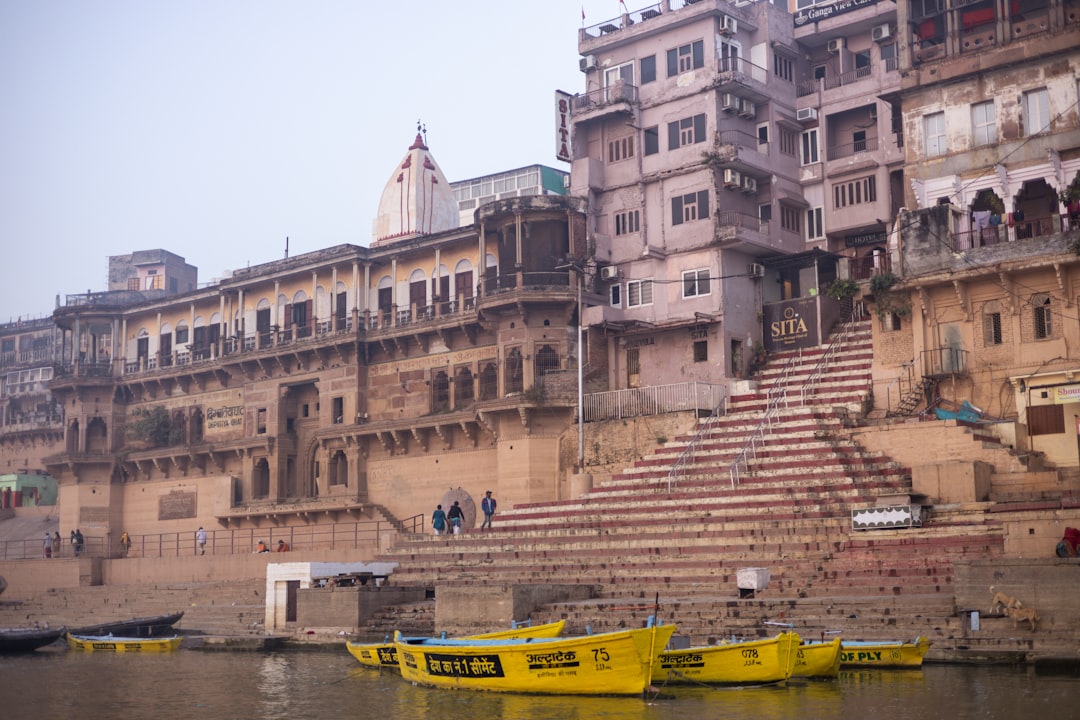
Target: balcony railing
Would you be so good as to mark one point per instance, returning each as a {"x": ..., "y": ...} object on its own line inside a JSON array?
[
  {"x": 944, "y": 361},
  {"x": 741, "y": 69},
  {"x": 834, "y": 80},
  {"x": 854, "y": 148},
  {"x": 618, "y": 93},
  {"x": 1002, "y": 233},
  {"x": 868, "y": 266},
  {"x": 275, "y": 337}
]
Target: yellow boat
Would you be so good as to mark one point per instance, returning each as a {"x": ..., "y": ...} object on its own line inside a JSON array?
[
  {"x": 615, "y": 663},
  {"x": 870, "y": 653},
  {"x": 109, "y": 643},
  {"x": 752, "y": 662},
  {"x": 817, "y": 659},
  {"x": 384, "y": 654}
]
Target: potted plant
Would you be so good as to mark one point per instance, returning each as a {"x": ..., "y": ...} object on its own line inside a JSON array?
[
  {"x": 842, "y": 289},
  {"x": 886, "y": 300}
]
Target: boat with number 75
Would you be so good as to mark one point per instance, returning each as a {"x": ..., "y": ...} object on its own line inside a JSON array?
[
  {"x": 384, "y": 654},
  {"x": 613, "y": 663}
]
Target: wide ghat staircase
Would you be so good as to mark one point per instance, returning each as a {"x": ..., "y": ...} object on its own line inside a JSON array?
[{"x": 683, "y": 537}]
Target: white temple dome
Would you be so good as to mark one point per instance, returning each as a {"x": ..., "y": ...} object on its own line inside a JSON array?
[{"x": 417, "y": 199}]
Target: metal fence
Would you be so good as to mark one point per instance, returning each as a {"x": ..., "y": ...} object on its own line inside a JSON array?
[
  {"x": 364, "y": 533},
  {"x": 653, "y": 400}
]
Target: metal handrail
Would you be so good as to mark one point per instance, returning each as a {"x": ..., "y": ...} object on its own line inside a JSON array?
[
  {"x": 826, "y": 359},
  {"x": 775, "y": 396},
  {"x": 687, "y": 455},
  {"x": 218, "y": 542}
]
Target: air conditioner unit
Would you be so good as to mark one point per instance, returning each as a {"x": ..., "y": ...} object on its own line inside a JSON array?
[
  {"x": 729, "y": 102},
  {"x": 728, "y": 25},
  {"x": 755, "y": 270},
  {"x": 749, "y": 184},
  {"x": 732, "y": 179},
  {"x": 747, "y": 109},
  {"x": 836, "y": 45},
  {"x": 609, "y": 272},
  {"x": 881, "y": 32},
  {"x": 806, "y": 114},
  {"x": 587, "y": 63}
]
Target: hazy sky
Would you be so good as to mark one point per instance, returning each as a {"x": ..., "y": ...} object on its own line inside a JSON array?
[{"x": 216, "y": 128}]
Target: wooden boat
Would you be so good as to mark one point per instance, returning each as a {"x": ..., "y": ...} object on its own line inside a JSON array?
[
  {"x": 13, "y": 640},
  {"x": 870, "y": 653},
  {"x": 817, "y": 659},
  {"x": 119, "y": 644},
  {"x": 384, "y": 654},
  {"x": 136, "y": 627},
  {"x": 751, "y": 662},
  {"x": 615, "y": 663}
]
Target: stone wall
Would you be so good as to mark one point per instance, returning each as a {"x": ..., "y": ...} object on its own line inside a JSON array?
[
  {"x": 348, "y": 607},
  {"x": 1049, "y": 586},
  {"x": 464, "y": 610}
]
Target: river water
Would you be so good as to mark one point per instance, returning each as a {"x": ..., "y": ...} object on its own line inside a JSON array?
[{"x": 55, "y": 684}]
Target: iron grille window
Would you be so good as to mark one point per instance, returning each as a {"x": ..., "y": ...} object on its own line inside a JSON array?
[{"x": 1043, "y": 328}]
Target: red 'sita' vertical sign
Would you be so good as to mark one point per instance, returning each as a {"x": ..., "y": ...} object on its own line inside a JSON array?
[{"x": 562, "y": 126}]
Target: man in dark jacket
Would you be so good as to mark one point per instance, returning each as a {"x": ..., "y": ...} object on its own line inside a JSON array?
[
  {"x": 456, "y": 517},
  {"x": 487, "y": 505}
]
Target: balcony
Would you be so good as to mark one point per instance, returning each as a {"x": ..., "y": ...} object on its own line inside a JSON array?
[
  {"x": 836, "y": 152},
  {"x": 740, "y": 76},
  {"x": 620, "y": 98},
  {"x": 832, "y": 81}
]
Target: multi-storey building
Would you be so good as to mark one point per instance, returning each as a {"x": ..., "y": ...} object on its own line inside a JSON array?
[
  {"x": 985, "y": 309},
  {"x": 152, "y": 270},
  {"x": 851, "y": 148},
  {"x": 31, "y": 421},
  {"x": 529, "y": 180},
  {"x": 688, "y": 145},
  {"x": 337, "y": 384}
]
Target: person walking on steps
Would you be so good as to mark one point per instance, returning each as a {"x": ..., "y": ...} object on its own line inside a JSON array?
[
  {"x": 487, "y": 505},
  {"x": 438, "y": 520},
  {"x": 456, "y": 517},
  {"x": 200, "y": 539}
]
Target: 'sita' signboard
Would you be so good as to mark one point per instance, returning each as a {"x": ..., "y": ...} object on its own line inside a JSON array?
[
  {"x": 562, "y": 126},
  {"x": 791, "y": 324}
]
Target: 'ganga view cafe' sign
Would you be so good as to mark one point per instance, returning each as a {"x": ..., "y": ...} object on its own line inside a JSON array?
[{"x": 824, "y": 11}]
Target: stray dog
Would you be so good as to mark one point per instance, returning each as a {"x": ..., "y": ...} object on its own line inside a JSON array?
[
  {"x": 1019, "y": 614},
  {"x": 1002, "y": 601}
]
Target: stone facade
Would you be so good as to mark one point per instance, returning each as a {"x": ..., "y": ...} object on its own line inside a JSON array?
[{"x": 316, "y": 388}]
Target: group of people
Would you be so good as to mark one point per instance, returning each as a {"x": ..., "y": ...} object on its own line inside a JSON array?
[
  {"x": 282, "y": 546},
  {"x": 52, "y": 544},
  {"x": 452, "y": 521}
]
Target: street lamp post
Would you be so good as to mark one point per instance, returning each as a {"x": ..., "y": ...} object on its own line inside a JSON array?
[{"x": 580, "y": 380}]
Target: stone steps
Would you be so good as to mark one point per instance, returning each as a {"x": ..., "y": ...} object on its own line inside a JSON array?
[{"x": 633, "y": 535}]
